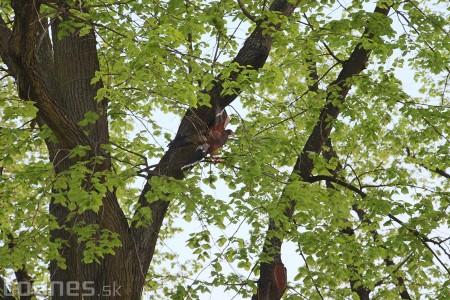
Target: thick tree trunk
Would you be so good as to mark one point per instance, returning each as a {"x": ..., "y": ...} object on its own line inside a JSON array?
[
  {"x": 76, "y": 61},
  {"x": 58, "y": 79}
]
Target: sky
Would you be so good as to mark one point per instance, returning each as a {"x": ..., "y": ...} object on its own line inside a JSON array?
[
  {"x": 290, "y": 257},
  {"x": 177, "y": 244}
]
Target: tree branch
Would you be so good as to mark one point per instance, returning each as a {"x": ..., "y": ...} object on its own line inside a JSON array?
[
  {"x": 245, "y": 12},
  {"x": 355, "y": 281},
  {"x": 363, "y": 292},
  {"x": 19, "y": 53},
  {"x": 437, "y": 170},
  {"x": 423, "y": 239},
  {"x": 337, "y": 92},
  {"x": 22, "y": 276},
  {"x": 253, "y": 55}
]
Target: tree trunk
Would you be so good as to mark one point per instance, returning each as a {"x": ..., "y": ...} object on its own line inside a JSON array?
[
  {"x": 76, "y": 61},
  {"x": 57, "y": 77}
]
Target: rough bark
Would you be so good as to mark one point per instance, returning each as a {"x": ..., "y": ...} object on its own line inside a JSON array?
[
  {"x": 59, "y": 84},
  {"x": 304, "y": 166}
]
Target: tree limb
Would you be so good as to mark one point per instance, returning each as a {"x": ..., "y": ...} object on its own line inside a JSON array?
[
  {"x": 355, "y": 282},
  {"x": 253, "y": 54},
  {"x": 19, "y": 53},
  {"x": 423, "y": 239},
  {"x": 436, "y": 170},
  {"x": 22, "y": 276},
  {"x": 337, "y": 92},
  {"x": 245, "y": 12},
  {"x": 360, "y": 290}
]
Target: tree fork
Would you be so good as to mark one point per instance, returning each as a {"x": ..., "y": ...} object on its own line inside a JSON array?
[{"x": 253, "y": 54}]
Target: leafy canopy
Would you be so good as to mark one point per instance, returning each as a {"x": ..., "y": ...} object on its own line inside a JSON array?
[{"x": 391, "y": 143}]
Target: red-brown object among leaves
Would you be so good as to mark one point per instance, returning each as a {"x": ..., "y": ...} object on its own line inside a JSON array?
[
  {"x": 280, "y": 276},
  {"x": 209, "y": 144},
  {"x": 218, "y": 136}
]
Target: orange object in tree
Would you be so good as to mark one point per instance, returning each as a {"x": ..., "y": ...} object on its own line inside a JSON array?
[
  {"x": 209, "y": 144},
  {"x": 216, "y": 139}
]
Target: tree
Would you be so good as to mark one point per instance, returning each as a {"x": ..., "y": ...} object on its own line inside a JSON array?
[{"x": 334, "y": 155}]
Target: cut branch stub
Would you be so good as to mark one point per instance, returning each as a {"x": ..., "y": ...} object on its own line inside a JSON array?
[{"x": 280, "y": 277}]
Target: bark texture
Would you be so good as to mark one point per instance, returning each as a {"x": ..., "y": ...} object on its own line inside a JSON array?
[{"x": 57, "y": 78}]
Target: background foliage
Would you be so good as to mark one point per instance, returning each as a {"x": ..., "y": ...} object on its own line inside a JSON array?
[{"x": 384, "y": 226}]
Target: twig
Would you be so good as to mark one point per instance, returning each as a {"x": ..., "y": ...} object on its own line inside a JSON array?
[{"x": 245, "y": 12}]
